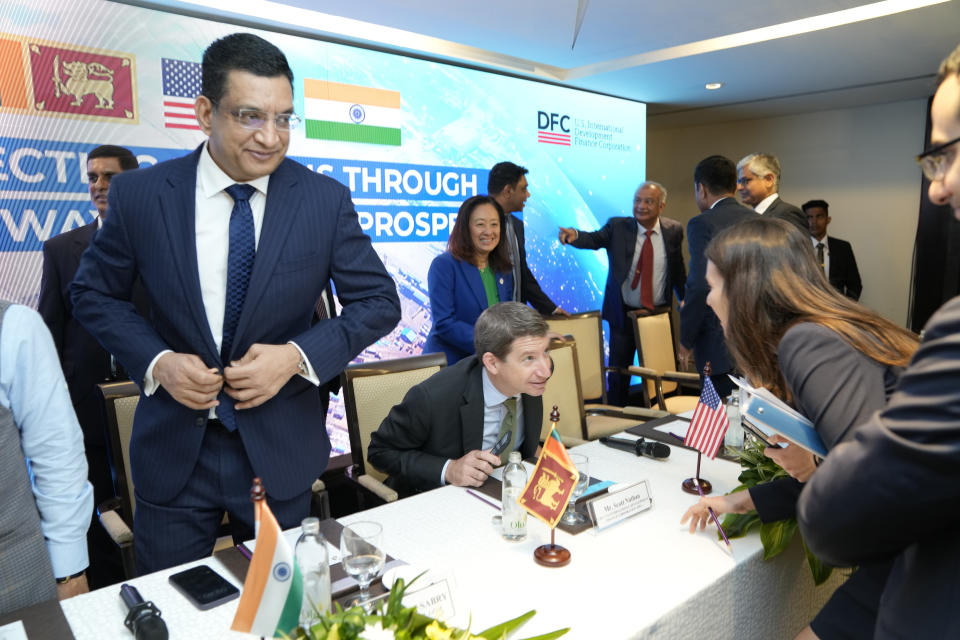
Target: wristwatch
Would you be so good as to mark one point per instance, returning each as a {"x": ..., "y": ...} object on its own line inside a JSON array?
[
  {"x": 302, "y": 368},
  {"x": 69, "y": 578}
]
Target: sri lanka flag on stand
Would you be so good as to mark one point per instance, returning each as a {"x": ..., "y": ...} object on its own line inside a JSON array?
[
  {"x": 273, "y": 590},
  {"x": 709, "y": 422},
  {"x": 548, "y": 491}
]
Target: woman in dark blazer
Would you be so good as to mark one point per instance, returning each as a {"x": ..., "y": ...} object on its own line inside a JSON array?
[
  {"x": 831, "y": 358},
  {"x": 472, "y": 274}
]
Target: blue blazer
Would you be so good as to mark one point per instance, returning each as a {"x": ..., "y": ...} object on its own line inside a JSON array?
[
  {"x": 310, "y": 235},
  {"x": 457, "y": 298}
]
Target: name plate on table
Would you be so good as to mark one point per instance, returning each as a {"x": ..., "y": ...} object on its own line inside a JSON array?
[
  {"x": 616, "y": 506},
  {"x": 433, "y": 594}
]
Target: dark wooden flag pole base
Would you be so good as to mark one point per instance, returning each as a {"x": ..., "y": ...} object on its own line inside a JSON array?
[
  {"x": 551, "y": 555},
  {"x": 690, "y": 484}
]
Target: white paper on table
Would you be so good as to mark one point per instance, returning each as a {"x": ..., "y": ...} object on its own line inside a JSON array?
[
  {"x": 291, "y": 536},
  {"x": 13, "y": 631},
  {"x": 677, "y": 427}
]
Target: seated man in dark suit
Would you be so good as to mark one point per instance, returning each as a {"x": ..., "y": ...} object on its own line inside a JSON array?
[
  {"x": 645, "y": 254},
  {"x": 85, "y": 363},
  {"x": 758, "y": 176},
  {"x": 444, "y": 429},
  {"x": 835, "y": 255}
]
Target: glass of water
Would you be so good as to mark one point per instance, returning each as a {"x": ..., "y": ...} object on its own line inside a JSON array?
[
  {"x": 571, "y": 517},
  {"x": 361, "y": 553}
]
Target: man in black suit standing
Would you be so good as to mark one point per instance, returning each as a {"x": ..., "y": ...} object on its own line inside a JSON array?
[
  {"x": 85, "y": 363},
  {"x": 507, "y": 184},
  {"x": 701, "y": 334},
  {"x": 835, "y": 255},
  {"x": 645, "y": 253},
  {"x": 894, "y": 489},
  {"x": 758, "y": 176},
  {"x": 444, "y": 429}
]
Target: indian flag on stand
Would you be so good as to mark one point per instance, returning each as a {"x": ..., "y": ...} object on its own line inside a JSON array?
[
  {"x": 273, "y": 590},
  {"x": 351, "y": 113}
]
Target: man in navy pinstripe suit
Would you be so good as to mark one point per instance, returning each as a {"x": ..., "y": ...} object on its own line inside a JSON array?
[{"x": 228, "y": 371}]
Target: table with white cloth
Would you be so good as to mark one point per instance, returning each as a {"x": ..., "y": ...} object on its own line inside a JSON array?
[{"x": 646, "y": 577}]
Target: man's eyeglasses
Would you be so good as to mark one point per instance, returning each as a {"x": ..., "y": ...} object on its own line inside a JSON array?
[
  {"x": 936, "y": 161},
  {"x": 255, "y": 119}
]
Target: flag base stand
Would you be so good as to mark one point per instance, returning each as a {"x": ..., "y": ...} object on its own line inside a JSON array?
[
  {"x": 551, "y": 555},
  {"x": 690, "y": 486}
]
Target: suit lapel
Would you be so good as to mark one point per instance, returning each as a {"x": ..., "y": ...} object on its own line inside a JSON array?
[
  {"x": 178, "y": 204},
  {"x": 283, "y": 204},
  {"x": 471, "y": 411},
  {"x": 472, "y": 275},
  {"x": 504, "y": 286},
  {"x": 630, "y": 244},
  {"x": 81, "y": 240}
]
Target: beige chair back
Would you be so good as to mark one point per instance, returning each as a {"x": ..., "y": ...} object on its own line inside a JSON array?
[
  {"x": 587, "y": 329},
  {"x": 371, "y": 389},
  {"x": 563, "y": 390},
  {"x": 656, "y": 348},
  {"x": 120, "y": 404}
]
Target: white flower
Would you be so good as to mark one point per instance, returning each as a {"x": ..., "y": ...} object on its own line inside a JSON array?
[{"x": 376, "y": 632}]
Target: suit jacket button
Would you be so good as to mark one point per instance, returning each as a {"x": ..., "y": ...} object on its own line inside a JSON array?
[{"x": 201, "y": 421}]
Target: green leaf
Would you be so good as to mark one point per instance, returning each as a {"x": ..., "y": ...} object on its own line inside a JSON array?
[
  {"x": 737, "y": 525},
  {"x": 504, "y": 628},
  {"x": 551, "y": 635},
  {"x": 821, "y": 572},
  {"x": 776, "y": 536}
]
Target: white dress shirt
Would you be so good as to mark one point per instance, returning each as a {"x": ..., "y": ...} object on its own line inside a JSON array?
[
  {"x": 212, "y": 221},
  {"x": 764, "y": 204},
  {"x": 493, "y": 413},
  {"x": 631, "y": 296}
]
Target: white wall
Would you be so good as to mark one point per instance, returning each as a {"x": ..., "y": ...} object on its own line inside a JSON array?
[{"x": 860, "y": 160}]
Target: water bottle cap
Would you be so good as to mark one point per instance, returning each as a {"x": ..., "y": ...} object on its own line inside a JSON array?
[
  {"x": 515, "y": 457},
  {"x": 310, "y": 525}
]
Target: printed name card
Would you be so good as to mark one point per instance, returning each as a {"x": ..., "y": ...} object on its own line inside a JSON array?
[
  {"x": 616, "y": 506},
  {"x": 434, "y": 594}
]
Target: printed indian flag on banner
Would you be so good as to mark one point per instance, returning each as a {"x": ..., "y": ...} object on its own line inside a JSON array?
[
  {"x": 273, "y": 590},
  {"x": 548, "y": 491},
  {"x": 351, "y": 113}
]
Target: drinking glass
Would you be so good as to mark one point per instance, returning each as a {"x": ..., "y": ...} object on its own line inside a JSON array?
[
  {"x": 571, "y": 517},
  {"x": 361, "y": 554}
]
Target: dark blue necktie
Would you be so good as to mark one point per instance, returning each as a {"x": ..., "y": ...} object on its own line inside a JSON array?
[{"x": 243, "y": 248}]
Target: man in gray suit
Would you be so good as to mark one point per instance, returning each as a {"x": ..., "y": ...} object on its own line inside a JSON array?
[
  {"x": 893, "y": 491},
  {"x": 444, "y": 429},
  {"x": 758, "y": 178}
]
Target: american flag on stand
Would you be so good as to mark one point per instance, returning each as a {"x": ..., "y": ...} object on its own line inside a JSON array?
[
  {"x": 709, "y": 422},
  {"x": 181, "y": 85}
]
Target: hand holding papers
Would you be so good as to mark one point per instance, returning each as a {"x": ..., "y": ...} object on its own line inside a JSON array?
[{"x": 764, "y": 412}]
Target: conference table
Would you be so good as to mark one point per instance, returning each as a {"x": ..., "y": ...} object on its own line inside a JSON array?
[{"x": 645, "y": 577}]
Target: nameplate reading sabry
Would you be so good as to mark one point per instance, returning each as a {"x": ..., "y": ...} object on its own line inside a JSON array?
[
  {"x": 434, "y": 594},
  {"x": 614, "y": 507}
]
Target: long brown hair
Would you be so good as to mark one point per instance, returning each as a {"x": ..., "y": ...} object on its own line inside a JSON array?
[
  {"x": 460, "y": 243},
  {"x": 772, "y": 281}
]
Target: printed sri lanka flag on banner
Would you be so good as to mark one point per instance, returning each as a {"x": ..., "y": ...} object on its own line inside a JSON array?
[
  {"x": 273, "y": 591},
  {"x": 709, "y": 422},
  {"x": 13, "y": 77},
  {"x": 548, "y": 491},
  {"x": 351, "y": 113}
]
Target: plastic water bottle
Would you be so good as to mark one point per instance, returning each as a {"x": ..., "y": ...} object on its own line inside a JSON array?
[
  {"x": 734, "y": 436},
  {"x": 311, "y": 552},
  {"x": 514, "y": 516}
]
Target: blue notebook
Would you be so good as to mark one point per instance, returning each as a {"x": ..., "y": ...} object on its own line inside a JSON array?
[{"x": 764, "y": 411}]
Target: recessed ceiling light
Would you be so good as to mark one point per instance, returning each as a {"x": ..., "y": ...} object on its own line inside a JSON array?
[{"x": 713, "y": 86}]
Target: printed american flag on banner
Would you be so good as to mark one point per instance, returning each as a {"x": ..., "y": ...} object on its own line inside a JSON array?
[
  {"x": 181, "y": 86},
  {"x": 709, "y": 422}
]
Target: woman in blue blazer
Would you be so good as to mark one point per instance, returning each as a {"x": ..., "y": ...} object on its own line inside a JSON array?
[{"x": 472, "y": 274}]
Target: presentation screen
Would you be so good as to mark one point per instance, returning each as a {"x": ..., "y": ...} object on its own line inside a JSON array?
[{"x": 411, "y": 138}]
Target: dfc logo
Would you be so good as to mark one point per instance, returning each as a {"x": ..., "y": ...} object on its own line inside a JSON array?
[{"x": 553, "y": 128}]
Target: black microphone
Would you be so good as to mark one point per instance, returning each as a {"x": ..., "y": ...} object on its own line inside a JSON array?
[
  {"x": 654, "y": 450},
  {"x": 144, "y": 619}
]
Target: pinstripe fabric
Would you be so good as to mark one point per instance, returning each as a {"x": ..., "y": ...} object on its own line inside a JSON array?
[{"x": 25, "y": 574}]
